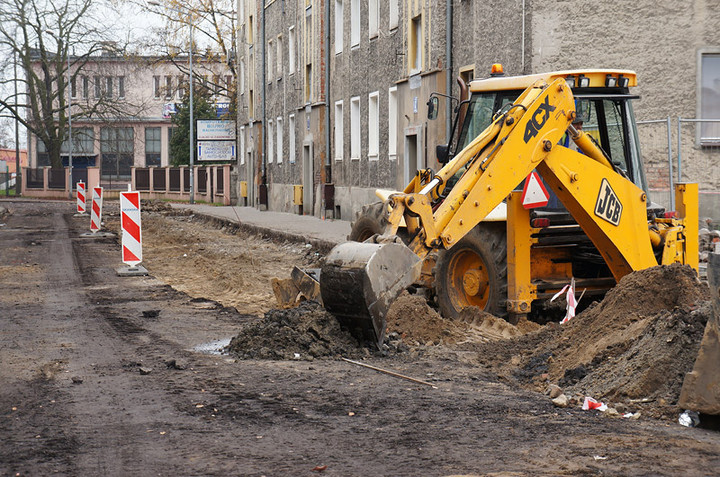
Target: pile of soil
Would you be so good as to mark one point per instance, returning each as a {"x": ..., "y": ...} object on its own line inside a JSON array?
[
  {"x": 636, "y": 345},
  {"x": 307, "y": 331}
]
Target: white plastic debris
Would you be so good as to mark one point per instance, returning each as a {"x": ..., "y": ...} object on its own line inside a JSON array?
[
  {"x": 689, "y": 419},
  {"x": 572, "y": 303},
  {"x": 591, "y": 403}
]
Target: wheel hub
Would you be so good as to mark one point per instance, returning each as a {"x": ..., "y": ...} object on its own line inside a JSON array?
[{"x": 474, "y": 283}]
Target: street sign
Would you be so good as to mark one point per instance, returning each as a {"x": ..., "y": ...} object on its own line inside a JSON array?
[
  {"x": 216, "y": 150},
  {"x": 215, "y": 130},
  {"x": 534, "y": 193}
]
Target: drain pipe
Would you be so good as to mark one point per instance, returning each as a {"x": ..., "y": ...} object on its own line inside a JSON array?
[
  {"x": 449, "y": 72},
  {"x": 328, "y": 98},
  {"x": 263, "y": 92},
  {"x": 522, "y": 42}
]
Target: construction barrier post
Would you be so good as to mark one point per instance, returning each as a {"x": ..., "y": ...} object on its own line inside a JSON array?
[
  {"x": 81, "y": 209},
  {"x": 131, "y": 226}
]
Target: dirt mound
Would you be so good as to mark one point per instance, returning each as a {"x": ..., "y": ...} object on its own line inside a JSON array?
[
  {"x": 307, "y": 331},
  {"x": 418, "y": 324},
  {"x": 636, "y": 344}
]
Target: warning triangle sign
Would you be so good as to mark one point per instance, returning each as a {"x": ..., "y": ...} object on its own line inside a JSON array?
[{"x": 534, "y": 193}]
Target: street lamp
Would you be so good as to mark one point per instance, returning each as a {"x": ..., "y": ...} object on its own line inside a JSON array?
[
  {"x": 192, "y": 122},
  {"x": 69, "y": 90}
]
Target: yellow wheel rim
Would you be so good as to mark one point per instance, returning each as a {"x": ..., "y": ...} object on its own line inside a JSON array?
[{"x": 469, "y": 281}]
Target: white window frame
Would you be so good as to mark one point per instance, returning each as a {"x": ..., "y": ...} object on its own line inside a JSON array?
[
  {"x": 292, "y": 146},
  {"x": 415, "y": 45},
  {"x": 354, "y": 23},
  {"x": 242, "y": 145},
  {"x": 705, "y": 132},
  {"x": 394, "y": 14},
  {"x": 292, "y": 59},
  {"x": 373, "y": 126},
  {"x": 339, "y": 26},
  {"x": 373, "y": 18},
  {"x": 270, "y": 140},
  {"x": 392, "y": 122},
  {"x": 279, "y": 57},
  {"x": 339, "y": 131},
  {"x": 279, "y": 132},
  {"x": 355, "y": 129}
]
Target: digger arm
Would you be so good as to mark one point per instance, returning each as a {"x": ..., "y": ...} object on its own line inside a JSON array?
[{"x": 610, "y": 208}]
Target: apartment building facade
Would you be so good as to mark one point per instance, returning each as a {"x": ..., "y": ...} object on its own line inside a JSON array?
[
  {"x": 122, "y": 111},
  {"x": 340, "y": 86}
]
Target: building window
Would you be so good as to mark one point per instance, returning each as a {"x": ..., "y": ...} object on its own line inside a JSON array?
[
  {"x": 109, "y": 86},
  {"x": 710, "y": 98},
  {"x": 242, "y": 145},
  {"x": 251, "y": 104},
  {"x": 392, "y": 122},
  {"x": 152, "y": 146},
  {"x": 73, "y": 87},
  {"x": 291, "y": 149},
  {"x": 85, "y": 87},
  {"x": 291, "y": 49},
  {"x": 168, "y": 87},
  {"x": 242, "y": 76},
  {"x": 280, "y": 132},
  {"x": 415, "y": 44},
  {"x": 121, "y": 87},
  {"x": 117, "y": 152},
  {"x": 270, "y": 142},
  {"x": 394, "y": 14},
  {"x": 156, "y": 87},
  {"x": 339, "y": 131},
  {"x": 279, "y": 56},
  {"x": 250, "y": 30},
  {"x": 308, "y": 83},
  {"x": 355, "y": 143},
  {"x": 83, "y": 141},
  {"x": 373, "y": 9},
  {"x": 270, "y": 61},
  {"x": 338, "y": 26},
  {"x": 373, "y": 126},
  {"x": 98, "y": 87},
  {"x": 180, "y": 87},
  {"x": 354, "y": 22}
]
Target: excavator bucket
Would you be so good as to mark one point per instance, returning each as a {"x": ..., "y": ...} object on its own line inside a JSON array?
[
  {"x": 359, "y": 282},
  {"x": 701, "y": 388}
]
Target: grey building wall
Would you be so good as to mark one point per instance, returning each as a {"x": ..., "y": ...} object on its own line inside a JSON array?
[{"x": 661, "y": 41}]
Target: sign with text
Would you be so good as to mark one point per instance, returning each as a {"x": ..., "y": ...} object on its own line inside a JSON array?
[
  {"x": 215, "y": 130},
  {"x": 216, "y": 150}
]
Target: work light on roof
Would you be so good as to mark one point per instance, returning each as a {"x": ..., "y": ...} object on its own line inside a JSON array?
[{"x": 610, "y": 81}]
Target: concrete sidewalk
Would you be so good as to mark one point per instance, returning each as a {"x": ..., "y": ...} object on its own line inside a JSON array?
[{"x": 302, "y": 227}]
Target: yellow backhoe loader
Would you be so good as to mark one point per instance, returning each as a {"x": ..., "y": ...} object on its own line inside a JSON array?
[{"x": 463, "y": 233}]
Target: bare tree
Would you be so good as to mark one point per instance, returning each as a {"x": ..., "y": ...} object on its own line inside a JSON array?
[
  {"x": 215, "y": 26},
  {"x": 48, "y": 38}
]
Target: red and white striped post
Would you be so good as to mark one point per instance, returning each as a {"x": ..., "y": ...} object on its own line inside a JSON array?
[
  {"x": 80, "y": 186},
  {"x": 96, "y": 209},
  {"x": 131, "y": 228}
]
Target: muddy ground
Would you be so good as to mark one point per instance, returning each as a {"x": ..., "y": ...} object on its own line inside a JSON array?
[{"x": 105, "y": 375}]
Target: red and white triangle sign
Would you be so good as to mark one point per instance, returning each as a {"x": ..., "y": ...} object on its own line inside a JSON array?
[{"x": 534, "y": 193}]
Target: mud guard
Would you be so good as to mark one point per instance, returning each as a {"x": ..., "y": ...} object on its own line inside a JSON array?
[
  {"x": 359, "y": 282},
  {"x": 701, "y": 387}
]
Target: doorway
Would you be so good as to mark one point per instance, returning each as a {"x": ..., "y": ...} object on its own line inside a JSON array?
[{"x": 308, "y": 175}]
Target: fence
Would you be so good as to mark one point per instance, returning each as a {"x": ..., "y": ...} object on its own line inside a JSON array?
[
  {"x": 211, "y": 183},
  {"x": 686, "y": 152},
  {"x": 52, "y": 183}
]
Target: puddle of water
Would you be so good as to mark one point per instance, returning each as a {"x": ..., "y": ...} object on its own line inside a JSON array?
[{"x": 213, "y": 347}]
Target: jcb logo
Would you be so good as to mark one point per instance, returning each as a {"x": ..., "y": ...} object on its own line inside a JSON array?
[
  {"x": 608, "y": 207},
  {"x": 538, "y": 119}
]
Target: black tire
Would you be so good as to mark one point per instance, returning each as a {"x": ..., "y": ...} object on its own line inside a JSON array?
[
  {"x": 473, "y": 272},
  {"x": 371, "y": 220}
]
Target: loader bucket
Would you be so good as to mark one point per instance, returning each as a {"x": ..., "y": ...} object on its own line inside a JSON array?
[
  {"x": 701, "y": 387},
  {"x": 359, "y": 282}
]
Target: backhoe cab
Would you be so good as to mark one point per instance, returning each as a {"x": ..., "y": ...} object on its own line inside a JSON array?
[{"x": 463, "y": 235}]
